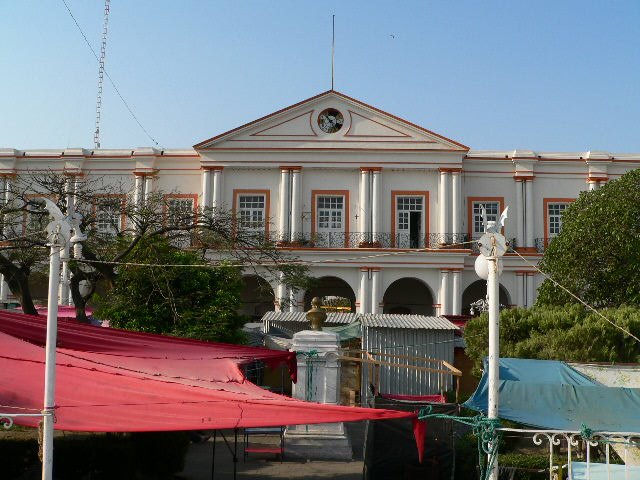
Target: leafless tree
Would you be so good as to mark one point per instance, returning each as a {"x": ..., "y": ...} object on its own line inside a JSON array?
[{"x": 115, "y": 224}]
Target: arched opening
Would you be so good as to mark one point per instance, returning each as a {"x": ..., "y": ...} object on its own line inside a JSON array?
[
  {"x": 408, "y": 296},
  {"x": 336, "y": 291},
  {"x": 256, "y": 297},
  {"x": 477, "y": 291}
]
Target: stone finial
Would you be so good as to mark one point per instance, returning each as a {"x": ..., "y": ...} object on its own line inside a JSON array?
[{"x": 316, "y": 315}]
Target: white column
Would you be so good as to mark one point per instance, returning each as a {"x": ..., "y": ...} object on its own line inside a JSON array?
[
  {"x": 216, "y": 202},
  {"x": 443, "y": 201},
  {"x": 4, "y": 289},
  {"x": 148, "y": 186},
  {"x": 281, "y": 298},
  {"x": 296, "y": 210},
  {"x": 456, "y": 207},
  {"x": 520, "y": 289},
  {"x": 376, "y": 214},
  {"x": 7, "y": 189},
  {"x": 297, "y": 301},
  {"x": 206, "y": 188},
  {"x": 530, "y": 242},
  {"x": 456, "y": 294},
  {"x": 520, "y": 216},
  {"x": 138, "y": 192},
  {"x": 444, "y": 292},
  {"x": 365, "y": 209},
  {"x": 530, "y": 290},
  {"x": 364, "y": 290},
  {"x": 375, "y": 290},
  {"x": 4, "y": 195},
  {"x": 64, "y": 292},
  {"x": 284, "y": 205}
]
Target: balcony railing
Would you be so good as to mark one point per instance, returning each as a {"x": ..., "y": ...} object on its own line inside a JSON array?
[
  {"x": 371, "y": 240},
  {"x": 540, "y": 244}
]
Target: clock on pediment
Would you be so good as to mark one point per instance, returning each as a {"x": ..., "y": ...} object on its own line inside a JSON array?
[{"x": 330, "y": 120}]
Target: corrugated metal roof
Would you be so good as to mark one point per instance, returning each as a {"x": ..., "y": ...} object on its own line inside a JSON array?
[
  {"x": 391, "y": 320},
  {"x": 332, "y": 317},
  {"x": 382, "y": 320}
]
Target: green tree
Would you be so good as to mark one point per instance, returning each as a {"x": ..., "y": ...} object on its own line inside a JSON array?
[
  {"x": 597, "y": 254},
  {"x": 569, "y": 333},
  {"x": 195, "y": 302}
]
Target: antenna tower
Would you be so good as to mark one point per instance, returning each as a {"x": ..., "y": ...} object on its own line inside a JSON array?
[{"x": 103, "y": 49}]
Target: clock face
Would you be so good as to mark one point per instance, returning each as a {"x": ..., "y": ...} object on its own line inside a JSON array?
[{"x": 330, "y": 120}]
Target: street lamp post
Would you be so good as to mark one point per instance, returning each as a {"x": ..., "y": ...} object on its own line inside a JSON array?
[
  {"x": 59, "y": 237},
  {"x": 492, "y": 245}
]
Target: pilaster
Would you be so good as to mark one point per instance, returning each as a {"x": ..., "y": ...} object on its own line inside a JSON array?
[
  {"x": 456, "y": 293},
  {"x": 363, "y": 296},
  {"x": 376, "y": 214},
  {"x": 283, "y": 224},
  {"x": 444, "y": 293},
  {"x": 296, "y": 207},
  {"x": 376, "y": 298}
]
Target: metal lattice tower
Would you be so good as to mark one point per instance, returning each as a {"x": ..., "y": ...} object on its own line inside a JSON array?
[{"x": 103, "y": 49}]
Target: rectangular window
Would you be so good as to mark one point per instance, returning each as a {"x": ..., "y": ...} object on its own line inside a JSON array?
[
  {"x": 251, "y": 212},
  {"x": 330, "y": 213},
  {"x": 492, "y": 210},
  {"x": 109, "y": 216},
  {"x": 554, "y": 216},
  {"x": 330, "y": 221},
  {"x": 409, "y": 227},
  {"x": 180, "y": 211}
]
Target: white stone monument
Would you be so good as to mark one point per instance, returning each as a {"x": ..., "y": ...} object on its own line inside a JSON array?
[{"x": 318, "y": 381}]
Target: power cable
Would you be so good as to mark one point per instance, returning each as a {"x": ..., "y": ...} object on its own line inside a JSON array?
[
  {"x": 548, "y": 277},
  {"x": 113, "y": 84}
]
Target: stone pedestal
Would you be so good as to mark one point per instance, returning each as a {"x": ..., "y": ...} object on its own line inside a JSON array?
[{"x": 318, "y": 381}]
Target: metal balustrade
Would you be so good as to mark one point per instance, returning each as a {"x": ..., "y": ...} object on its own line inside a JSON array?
[
  {"x": 401, "y": 240},
  {"x": 585, "y": 455}
]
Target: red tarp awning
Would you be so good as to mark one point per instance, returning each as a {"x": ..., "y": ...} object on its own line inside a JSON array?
[{"x": 111, "y": 380}]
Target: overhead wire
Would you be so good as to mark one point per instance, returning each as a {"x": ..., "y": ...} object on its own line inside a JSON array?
[
  {"x": 362, "y": 257},
  {"x": 113, "y": 83},
  {"x": 562, "y": 287}
]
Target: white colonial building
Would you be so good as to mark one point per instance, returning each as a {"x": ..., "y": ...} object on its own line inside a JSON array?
[{"x": 384, "y": 210}]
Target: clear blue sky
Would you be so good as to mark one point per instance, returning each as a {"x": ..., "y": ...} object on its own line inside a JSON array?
[{"x": 544, "y": 75}]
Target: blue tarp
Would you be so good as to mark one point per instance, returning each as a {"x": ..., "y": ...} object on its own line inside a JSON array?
[{"x": 552, "y": 395}]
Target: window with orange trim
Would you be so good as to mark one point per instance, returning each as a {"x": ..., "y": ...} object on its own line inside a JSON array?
[
  {"x": 554, "y": 217},
  {"x": 492, "y": 209},
  {"x": 109, "y": 215},
  {"x": 252, "y": 212}
]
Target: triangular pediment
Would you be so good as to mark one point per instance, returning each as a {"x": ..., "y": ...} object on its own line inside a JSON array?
[{"x": 330, "y": 120}]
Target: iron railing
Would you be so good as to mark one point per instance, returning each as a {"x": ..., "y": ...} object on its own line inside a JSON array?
[
  {"x": 370, "y": 240},
  {"x": 585, "y": 454},
  {"x": 540, "y": 244}
]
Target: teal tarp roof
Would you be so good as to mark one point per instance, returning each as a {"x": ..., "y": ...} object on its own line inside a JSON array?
[
  {"x": 346, "y": 332},
  {"x": 552, "y": 395}
]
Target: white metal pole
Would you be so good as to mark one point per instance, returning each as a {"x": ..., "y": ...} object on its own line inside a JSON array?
[
  {"x": 50, "y": 358},
  {"x": 494, "y": 345}
]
